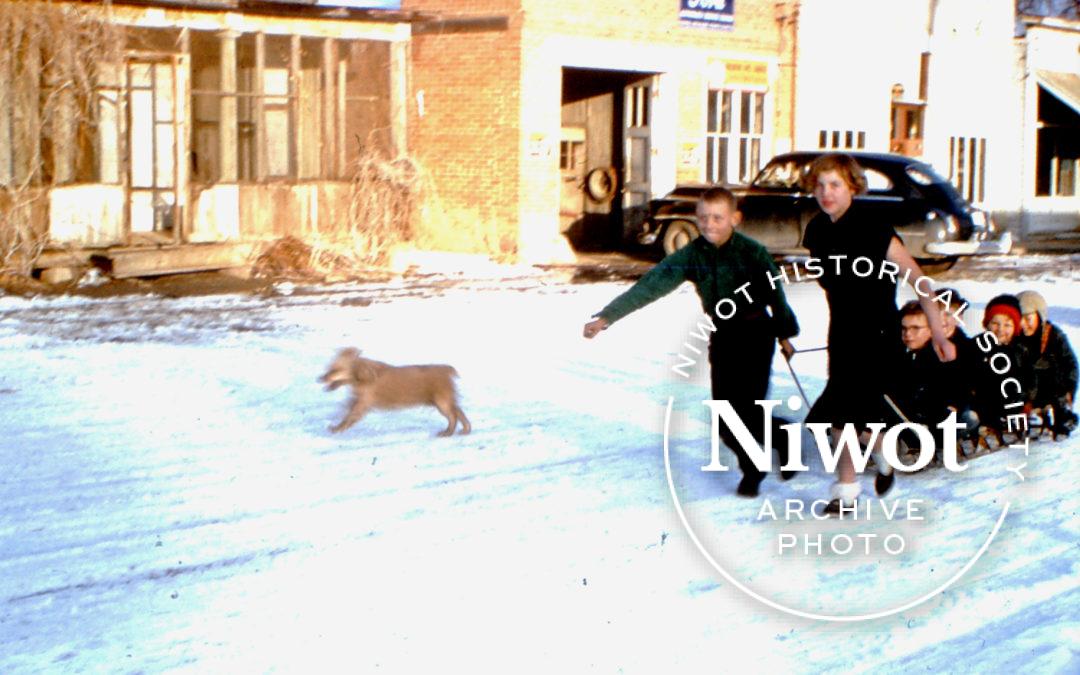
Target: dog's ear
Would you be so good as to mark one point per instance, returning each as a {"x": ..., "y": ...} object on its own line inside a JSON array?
[
  {"x": 366, "y": 371},
  {"x": 349, "y": 352}
]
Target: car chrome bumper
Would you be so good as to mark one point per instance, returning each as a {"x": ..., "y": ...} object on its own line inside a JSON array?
[{"x": 999, "y": 246}]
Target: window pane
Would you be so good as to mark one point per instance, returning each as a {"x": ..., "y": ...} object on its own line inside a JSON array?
[
  {"x": 245, "y": 123},
  {"x": 722, "y": 161},
  {"x": 163, "y": 162},
  {"x": 109, "y": 136},
  {"x": 163, "y": 92},
  {"x": 971, "y": 165},
  {"x": 637, "y": 106},
  {"x": 710, "y": 115},
  {"x": 725, "y": 112},
  {"x": 1066, "y": 186},
  {"x": 140, "y": 74},
  {"x": 759, "y": 113},
  {"x": 836, "y": 139},
  {"x": 743, "y": 161},
  {"x": 141, "y": 212},
  {"x": 368, "y": 96},
  {"x": 744, "y": 112},
  {"x": 982, "y": 169},
  {"x": 276, "y": 85},
  {"x": 755, "y": 158},
  {"x": 823, "y": 138},
  {"x": 849, "y": 139},
  {"x": 277, "y": 141},
  {"x": 877, "y": 181},
  {"x": 710, "y": 160},
  {"x": 638, "y": 156},
  {"x": 308, "y": 122},
  {"x": 142, "y": 128},
  {"x": 1044, "y": 158},
  {"x": 862, "y": 140},
  {"x": 959, "y": 182}
]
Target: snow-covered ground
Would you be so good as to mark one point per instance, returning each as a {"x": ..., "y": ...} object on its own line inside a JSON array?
[{"x": 171, "y": 500}]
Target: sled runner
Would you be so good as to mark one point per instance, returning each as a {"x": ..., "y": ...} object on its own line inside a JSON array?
[
  {"x": 980, "y": 439},
  {"x": 1042, "y": 426}
]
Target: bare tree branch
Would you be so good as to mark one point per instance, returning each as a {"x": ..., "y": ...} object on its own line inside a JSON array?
[{"x": 50, "y": 59}]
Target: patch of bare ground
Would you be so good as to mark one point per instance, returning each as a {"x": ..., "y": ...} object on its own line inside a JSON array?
[
  {"x": 289, "y": 259},
  {"x": 171, "y": 285},
  {"x": 18, "y": 284}
]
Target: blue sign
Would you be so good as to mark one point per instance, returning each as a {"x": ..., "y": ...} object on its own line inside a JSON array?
[{"x": 707, "y": 13}]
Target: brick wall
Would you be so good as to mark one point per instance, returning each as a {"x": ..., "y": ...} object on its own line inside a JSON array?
[
  {"x": 489, "y": 130},
  {"x": 464, "y": 125}
]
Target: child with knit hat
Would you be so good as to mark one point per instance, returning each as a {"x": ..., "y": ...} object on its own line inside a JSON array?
[
  {"x": 1053, "y": 365},
  {"x": 1002, "y": 320}
]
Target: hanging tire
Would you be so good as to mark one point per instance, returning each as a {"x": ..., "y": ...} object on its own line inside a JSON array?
[
  {"x": 600, "y": 185},
  {"x": 677, "y": 234}
]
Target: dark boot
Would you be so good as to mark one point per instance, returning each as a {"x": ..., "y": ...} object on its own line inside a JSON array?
[
  {"x": 833, "y": 509},
  {"x": 883, "y": 482},
  {"x": 748, "y": 486}
]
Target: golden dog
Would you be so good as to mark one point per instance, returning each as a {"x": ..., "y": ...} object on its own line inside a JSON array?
[{"x": 380, "y": 385}]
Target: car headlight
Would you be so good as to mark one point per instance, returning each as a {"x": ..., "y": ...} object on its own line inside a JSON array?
[
  {"x": 985, "y": 227},
  {"x": 952, "y": 227},
  {"x": 941, "y": 227}
]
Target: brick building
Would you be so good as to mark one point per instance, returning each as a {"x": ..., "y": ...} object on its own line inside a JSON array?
[{"x": 541, "y": 123}]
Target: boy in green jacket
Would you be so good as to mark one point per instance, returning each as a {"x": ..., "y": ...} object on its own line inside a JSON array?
[{"x": 725, "y": 265}]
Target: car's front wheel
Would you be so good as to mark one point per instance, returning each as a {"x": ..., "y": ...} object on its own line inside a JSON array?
[{"x": 679, "y": 233}]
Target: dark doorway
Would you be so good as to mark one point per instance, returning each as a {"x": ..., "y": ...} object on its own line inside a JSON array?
[{"x": 603, "y": 155}]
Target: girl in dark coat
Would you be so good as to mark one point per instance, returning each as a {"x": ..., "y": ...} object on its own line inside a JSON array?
[
  {"x": 864, "y": 329},
  {"x": 1053, "y": 364}
]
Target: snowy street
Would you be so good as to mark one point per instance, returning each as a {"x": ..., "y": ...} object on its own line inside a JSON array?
[{"x": 172, "y": 500}]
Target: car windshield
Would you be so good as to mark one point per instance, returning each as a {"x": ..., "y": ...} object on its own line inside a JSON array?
[{"x": 780, "y": 174}]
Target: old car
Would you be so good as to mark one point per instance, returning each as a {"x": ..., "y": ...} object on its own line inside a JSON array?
[{"x": 935, "y": 222}]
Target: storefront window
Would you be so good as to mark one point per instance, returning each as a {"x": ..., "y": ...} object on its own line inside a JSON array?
[
  {"x": 837, "y": 140},
  {"x": 967, "y": 167},
  {"x": 735, "y": 128},
  {"x": 285, "y": 107}
]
